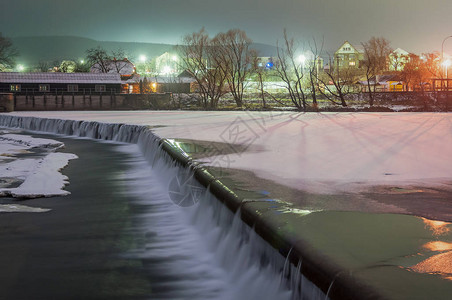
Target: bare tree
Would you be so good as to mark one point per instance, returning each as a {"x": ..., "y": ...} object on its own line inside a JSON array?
[
  {"x": 117, "y": 59},
  {"x": 198, "y": 58},
  {"x": 376, "y": 52},
  {"x": 99, "y": 59},
  {"x": 418, "y": 70},
  {"x": 8, "y": 53},
  {"x": 260, "y": 72},
  {"x": 291, "y": 72},
  {"x": 43, "y": 66},
  {"x": 233, "y": 54},
  {"x": 398, "y": 60},
  {"x": 313, "y": 68},
  {"x": 336, "y": 83}
]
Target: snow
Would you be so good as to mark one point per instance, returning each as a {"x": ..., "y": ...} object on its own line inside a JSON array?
[
  {"x": 316, "y": 152},
  {"x": 11, "y": 143},
  {"x": 21, "y": 208},
  {"x": 31, "y": 176}
]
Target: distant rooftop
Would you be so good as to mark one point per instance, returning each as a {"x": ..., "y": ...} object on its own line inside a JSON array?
[{"x": 19, "y": 77}]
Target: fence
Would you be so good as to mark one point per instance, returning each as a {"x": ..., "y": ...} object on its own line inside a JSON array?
[{"x": 82, "y": 101}]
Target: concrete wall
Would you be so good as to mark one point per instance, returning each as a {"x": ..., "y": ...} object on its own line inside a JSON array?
[
  {"x": 47, "y": 101},
  {"x": 6, "y": 102}
]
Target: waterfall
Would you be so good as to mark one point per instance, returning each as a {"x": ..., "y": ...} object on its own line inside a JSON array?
[{"x": 199, "y": 231}]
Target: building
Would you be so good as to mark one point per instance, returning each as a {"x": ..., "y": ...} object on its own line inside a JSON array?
[
  {"x": 167, "y": 64},
  {"x": 384, "y": 83},
  {"x": 397, "y": 59},
  {"x": 349, "y": 55},
  {"x": 84, "y": 83},
  {"x": 183, "y": 83}
]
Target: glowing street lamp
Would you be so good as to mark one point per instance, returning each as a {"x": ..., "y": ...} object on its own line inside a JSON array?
[
  {"x": 21, "y": 68},
  {"x": 301, "y": 59},
  {"x": 166, "y": 70},
  {"x": 143, "y": 58}
]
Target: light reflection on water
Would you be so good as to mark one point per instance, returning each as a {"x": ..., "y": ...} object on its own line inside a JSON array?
[
  {"x": 440, "y": 264},
  {"x": 438, "y": 227}
]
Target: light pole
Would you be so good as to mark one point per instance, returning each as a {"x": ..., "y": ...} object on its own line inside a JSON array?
[
  {"x": 442, "y": 58},
  {"x": 446, "y": 65}
]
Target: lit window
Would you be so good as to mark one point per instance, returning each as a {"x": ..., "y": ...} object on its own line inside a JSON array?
[
  {"x": 351, "y": 63},
  {"x": 44, "y": 87},
  {"x": 14, "y": 87},
  {"x": 72, "y": 88},
  {"x": 100, "y": 88}
]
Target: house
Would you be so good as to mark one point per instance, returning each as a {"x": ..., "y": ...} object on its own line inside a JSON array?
[
  {"x": 167, "y": 63},
  {"x": 384, "y": 83},
  {"x": 349, "y": 56},
  {"x": 397, "y": 59},
  {"x": 183, "y": 83},
  {"x": 18, "y": 82}
]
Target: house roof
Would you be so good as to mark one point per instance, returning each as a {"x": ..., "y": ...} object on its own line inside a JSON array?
[
  {"x": 76, "y": 78},
  {"x": 382, "y": 79},
  {"x": 358, "y": 47},
  {"x": 169, "y": 79}
]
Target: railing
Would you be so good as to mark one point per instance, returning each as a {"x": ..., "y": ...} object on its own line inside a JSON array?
[{"x": 62, "y": 91}]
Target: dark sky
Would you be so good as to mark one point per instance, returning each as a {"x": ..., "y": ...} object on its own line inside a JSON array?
[{"x": 414, "y": 25}]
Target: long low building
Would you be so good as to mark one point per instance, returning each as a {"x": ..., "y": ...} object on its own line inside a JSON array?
[{"x": 84, "y": 83}]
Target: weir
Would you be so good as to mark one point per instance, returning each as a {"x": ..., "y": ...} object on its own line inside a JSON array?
[{"x": 259, "y": 261}]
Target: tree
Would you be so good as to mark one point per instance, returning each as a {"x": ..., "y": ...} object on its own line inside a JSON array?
[
  {"x": 291, "y": 71},
  {"x": 198, "y": 58},
  {"x": 117, "y": 60},
  {"x": 313, "y": 68},
  {"x": 261, "y": 75},
  {"x": 419, "y": 69},
  {"x": 99, "y": 59},
  {"x": 67, "y": 66},
  {"x": 82, "y": 67},
  {"x": 43, "y": 66},
  {"x": 336, "y": 83},
  {"x": 8, "y": 53},
  {"x": 376, "y": 52},
  {"x": 232, "y": 53}
]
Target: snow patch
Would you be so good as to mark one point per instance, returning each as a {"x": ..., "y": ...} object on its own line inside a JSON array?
[
  {"x": 33, "y": 177},
  {"x": 21, "y": 208}
]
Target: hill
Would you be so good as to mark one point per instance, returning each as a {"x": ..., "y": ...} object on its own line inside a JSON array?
[{"x": 56, "y": 48}]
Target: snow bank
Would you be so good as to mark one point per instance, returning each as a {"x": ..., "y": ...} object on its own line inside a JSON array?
[{"x": 35, "y": 176}]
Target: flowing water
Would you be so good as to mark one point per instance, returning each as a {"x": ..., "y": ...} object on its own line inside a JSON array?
[{"x": 193, "y": 245}]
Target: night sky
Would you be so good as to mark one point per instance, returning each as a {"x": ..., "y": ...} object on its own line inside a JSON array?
[{"x": 414, "y": 25}]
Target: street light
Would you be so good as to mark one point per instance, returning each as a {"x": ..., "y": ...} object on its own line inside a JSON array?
[
  {"x": 446, "y": 65},
  {"x": 143, "y": 58},
  {"x": 301, "y": 59},
  {"x": 442, "y": 57}
]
